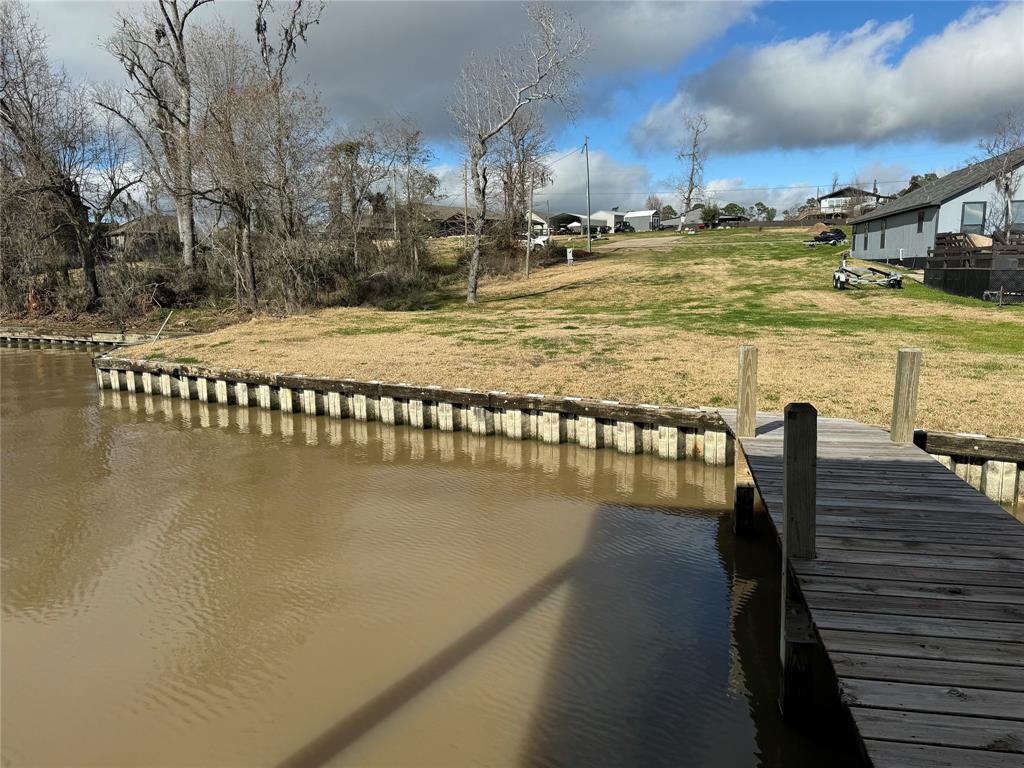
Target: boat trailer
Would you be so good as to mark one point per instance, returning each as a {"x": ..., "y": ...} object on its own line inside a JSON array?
[{"x": 854, "y": 277}]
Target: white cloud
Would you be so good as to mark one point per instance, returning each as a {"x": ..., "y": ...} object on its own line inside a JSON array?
[{"x": 826, "y": 90}]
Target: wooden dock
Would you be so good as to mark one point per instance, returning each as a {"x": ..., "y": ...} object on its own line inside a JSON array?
[{"x": 916, "y": 594}]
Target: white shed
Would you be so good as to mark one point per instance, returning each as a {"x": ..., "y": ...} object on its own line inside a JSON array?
[{"x": 643, "y": 221}]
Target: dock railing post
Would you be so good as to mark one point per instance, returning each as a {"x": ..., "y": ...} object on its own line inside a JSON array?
[
  {"x": 746, "y": 400},
  {"x": 746, "y": 426},
  {"x": 904, "y": 399},
  {"x": 798, "y": 644}
]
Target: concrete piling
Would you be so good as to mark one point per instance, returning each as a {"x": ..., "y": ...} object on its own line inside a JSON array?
[
  {"x": 589, "y": 433},
  {"x": 627, "y": 437},
  {"x": 223, "y": 392},
  {"x": 669, "y": 443},
  {"x": 482, "y": 420},
  {"x": 130, "y": 381},
  {"x": 999, "y": 480},
  {"x": 552, "y": 428},
  {"x": 446, "y": 417},
  {"x": 312, "y": 402},
  {"x": 390, "y": 412},
  {"x": 116, "y": 379},
  {"x": 147, "y": 382},
  {"x": 286, "y": 399},
  {"x": 242, "y": 394},
  {"x": 101, "y": 381},
  {"x": 267, "y": 397},
  {"x": 419, "y": 414},
  {"x": 166, "y": 385},
  {"x": 203, "y": 389}
]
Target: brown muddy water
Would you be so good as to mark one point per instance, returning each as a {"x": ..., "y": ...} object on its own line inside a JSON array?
[{"x": 193, "y": 585}]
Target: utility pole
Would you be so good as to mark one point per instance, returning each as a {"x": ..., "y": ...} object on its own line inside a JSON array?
[
  {"x": 394, "y": 207},
  {"x": 586, "y": 153},
  {"x": 529, "y": 227}
]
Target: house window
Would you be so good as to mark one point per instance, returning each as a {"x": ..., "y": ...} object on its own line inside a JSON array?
[
  {"x": 1017, "y": 216},
  {"x": 920, "y": 222},
  {"x": 972, "y": 218},
  {"x": 881, "y": 239}
]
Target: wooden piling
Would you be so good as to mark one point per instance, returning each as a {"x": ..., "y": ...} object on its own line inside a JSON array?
[
  {"x": 904, "y": 399},
  {"x": 746, "y": 399},
  {"x": 798, "y": 644}
]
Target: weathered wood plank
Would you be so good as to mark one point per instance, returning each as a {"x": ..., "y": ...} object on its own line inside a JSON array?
[
  {"x": 996, "y": 677},
  {"x": 917, "y": 625},
  {"x": 894, "y": 559},
  {"x": 917, "y": 606},
  {"x": 913, "y": 588},
  {"x": 910, "y": 646},
  {"x": 912, "y": 546},
  {"x": 941, "y": 730},
  {"x": 897, "y": 572},
  {"x": 895, "y": 754},
  {"x": 941, "y": 699}
]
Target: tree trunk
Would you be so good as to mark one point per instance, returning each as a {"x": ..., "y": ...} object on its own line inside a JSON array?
[
  {"x": 249, "y": 271},
  {"x": 480, "y": 194},
  {"x": 89, "y": 270},
  {"x": 184, "y": 209}
]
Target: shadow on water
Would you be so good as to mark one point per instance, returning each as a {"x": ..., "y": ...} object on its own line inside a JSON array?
[{"x": 665, "y": 651}]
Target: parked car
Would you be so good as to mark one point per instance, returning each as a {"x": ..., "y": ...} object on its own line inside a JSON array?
[
  {"x": 834, "y": 236},
  {"x": 624, "y": 226}
]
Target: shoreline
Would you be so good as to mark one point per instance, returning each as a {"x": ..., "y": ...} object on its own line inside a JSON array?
[{"x": 992, "y": 465}]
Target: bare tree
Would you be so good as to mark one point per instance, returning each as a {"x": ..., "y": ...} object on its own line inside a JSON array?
[
  {"x": 653, "y": 202},
  {"x": 693, "y": 156},
  {"x": 518, "y": 156},
  {"x": 61, "y": 160},
  {"x": 491, "y": 92},
  {"x": 276, "y": 55},
  {"x": 151, "y": 45},
  {"x": 1000, "y": 151}
]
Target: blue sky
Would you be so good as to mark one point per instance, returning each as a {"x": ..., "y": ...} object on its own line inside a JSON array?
[{"x": 794, "y": 92}]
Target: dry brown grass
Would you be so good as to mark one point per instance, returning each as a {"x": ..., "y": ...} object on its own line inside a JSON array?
[{"x": 647, "y": 326}]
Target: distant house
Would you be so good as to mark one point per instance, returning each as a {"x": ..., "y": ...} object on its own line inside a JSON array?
[
  {"x": 848, "y": 202},
  {"x": 671, "y": 223},
  {"x": 145, "y": 237},
  {"x": 643, "y": 221},
  {"x": 965, "y": 201},
  {"x": 447, "y": 220}
]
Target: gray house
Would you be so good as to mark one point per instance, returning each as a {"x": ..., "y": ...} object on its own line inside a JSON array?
[{"x": 962, "y": 201}]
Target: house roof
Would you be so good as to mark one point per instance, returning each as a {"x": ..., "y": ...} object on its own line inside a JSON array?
[
  {"x": 850, "y": 192},
  {"x": 150, "y": 223},
  {"x": 640, "y": 213},
  {"x": 945, "y": 188}
]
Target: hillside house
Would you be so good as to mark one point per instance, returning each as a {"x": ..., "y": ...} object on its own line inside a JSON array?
[
  {"x": 643, "y": 221},
  {"x": 964, "y": 201}
]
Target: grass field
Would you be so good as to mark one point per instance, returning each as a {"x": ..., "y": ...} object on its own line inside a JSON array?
[{"x": 657, "y": 318}]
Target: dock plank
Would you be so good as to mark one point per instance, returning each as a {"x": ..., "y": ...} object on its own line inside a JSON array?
[{"x": 916, "y": 594}]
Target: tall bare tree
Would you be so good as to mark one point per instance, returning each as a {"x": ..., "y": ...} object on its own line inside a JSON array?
[
  {"x": 999, "y": 150},
  {"x": 152, "y": 46},
  {"x": 276, "y": 54},
  {"x": 60, "y": 159},
  {"x": 693, "y": 155},
  {"x": 491, "y": 92}
]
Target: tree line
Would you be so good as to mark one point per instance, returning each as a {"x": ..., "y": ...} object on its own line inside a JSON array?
[{"x": 209, "y": 172}]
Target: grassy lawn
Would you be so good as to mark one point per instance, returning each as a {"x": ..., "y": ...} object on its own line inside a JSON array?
[{"x": 658, "y": 319}]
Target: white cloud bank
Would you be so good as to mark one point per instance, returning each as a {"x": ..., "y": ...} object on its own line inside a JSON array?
[{"x": 826, "y": 90}]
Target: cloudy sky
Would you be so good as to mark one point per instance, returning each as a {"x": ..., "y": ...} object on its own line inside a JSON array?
[{"x": 794, "y": 92}]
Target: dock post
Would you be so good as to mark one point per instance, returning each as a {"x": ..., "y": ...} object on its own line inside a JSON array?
[
  {"x": 904, "y": 399},
  {"x": 798, "y": 644},
  {"x": 746, "y": 426},
  {"x": 746, "y": 400}
]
